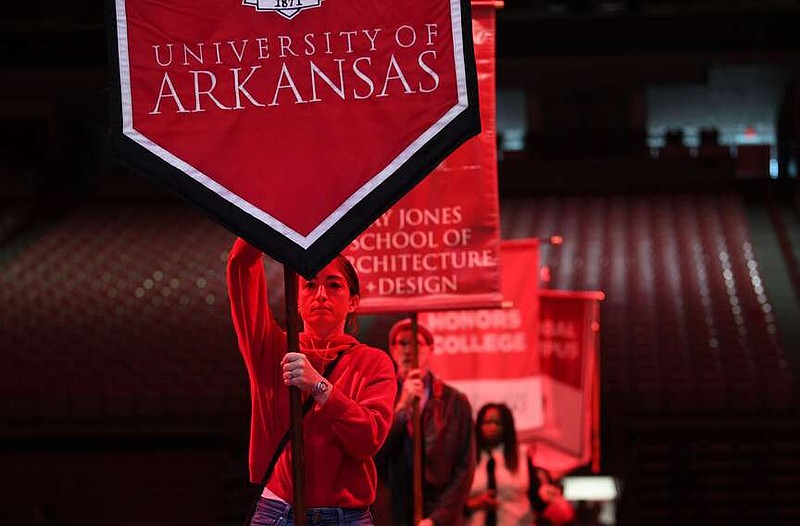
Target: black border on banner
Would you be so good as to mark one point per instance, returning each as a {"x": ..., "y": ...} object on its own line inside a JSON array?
[{"x": 307, "y": 262}]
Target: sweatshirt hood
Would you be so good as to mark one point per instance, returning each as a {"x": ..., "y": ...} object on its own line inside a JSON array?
[{"x": 328, "y": 348}]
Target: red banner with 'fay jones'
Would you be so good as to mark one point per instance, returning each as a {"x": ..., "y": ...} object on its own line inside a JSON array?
[
  {"x": 539, "y": 357},
  {"x": 294, "y": 123},
  {"x": 437, "y": 247}
]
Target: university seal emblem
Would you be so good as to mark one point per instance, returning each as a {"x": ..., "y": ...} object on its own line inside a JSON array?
[{"x": 286, "y": 8}]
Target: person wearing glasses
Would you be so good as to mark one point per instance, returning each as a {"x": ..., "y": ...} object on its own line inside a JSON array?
[
  {"x": 449, "y": 451},
  {"x": 352, "y": 408}
]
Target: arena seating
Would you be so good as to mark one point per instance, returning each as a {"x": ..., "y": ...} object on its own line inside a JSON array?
[
  {"x": 741, "y": 473},
  {"x": 120, "y": 312},
  {"x": 115, "y": 323},
  {"x": 697, "y": 393},
  {"x": 687, "y": 324}
]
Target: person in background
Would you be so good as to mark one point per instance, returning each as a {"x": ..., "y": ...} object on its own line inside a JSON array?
[
  {"x": 448, "y": 438},
  {"x": 352, "y": 409},
  {"x": 508, "y": 490}
]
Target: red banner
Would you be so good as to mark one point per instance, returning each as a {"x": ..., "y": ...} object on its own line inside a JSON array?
[
  {"x": 539, "y": 357},
  {"x": 569, "y": 326},
  {"x": 294, "y": 123},
  {"x": 437, "y": 247}
]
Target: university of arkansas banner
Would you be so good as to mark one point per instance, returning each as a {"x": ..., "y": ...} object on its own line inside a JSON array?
[
  {"x": 539, "y": 357},
  {"x": 295, "y": 123},
  {"x": 437, "y": 247}
]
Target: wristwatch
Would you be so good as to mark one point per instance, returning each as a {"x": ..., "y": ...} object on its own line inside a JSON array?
[{"x": 320, "y": 387}]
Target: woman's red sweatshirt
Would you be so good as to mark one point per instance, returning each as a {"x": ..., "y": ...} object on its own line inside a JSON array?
[{"x": 342, "y": 435}]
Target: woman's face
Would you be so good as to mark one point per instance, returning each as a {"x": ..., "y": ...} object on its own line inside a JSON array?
[
  {"x": 492, "y": 427},
  {"x": 325, "y": 302}
]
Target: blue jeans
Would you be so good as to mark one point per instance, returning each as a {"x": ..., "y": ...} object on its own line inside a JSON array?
[{"x": 273, "y": 512}]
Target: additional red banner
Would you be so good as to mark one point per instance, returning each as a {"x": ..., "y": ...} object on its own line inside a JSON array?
[
  {"x": 487, "y": 352},
  {"x": 567, "y": 349},
  {"x": 539, "y": 357},
  {"x": 437, "y": 248},
  {"x": 296, "y": 123}
]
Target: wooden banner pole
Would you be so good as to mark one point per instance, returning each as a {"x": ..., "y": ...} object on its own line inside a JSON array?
[
  {"x": 295, "y": 401},
  {"x": 416, "y": 420}
]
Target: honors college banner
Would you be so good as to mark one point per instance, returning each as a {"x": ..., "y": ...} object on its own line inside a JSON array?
[
  {"x": 489, "y": 353},
  {"x": 437, "y": 247},
  {"x": 295, "y": 123},
  {"x": 539, "y": 357}
]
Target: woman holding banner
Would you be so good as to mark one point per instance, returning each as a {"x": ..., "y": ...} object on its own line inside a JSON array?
[
  {"x": 351, "y": 384},
  {"x": 504, "y": 491}
]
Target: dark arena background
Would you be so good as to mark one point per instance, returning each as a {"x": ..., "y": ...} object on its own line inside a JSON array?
[{"x": 659, "y": 138}]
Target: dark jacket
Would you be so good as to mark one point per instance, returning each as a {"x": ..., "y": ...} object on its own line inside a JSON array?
[{"x": 448, "y": 458}]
